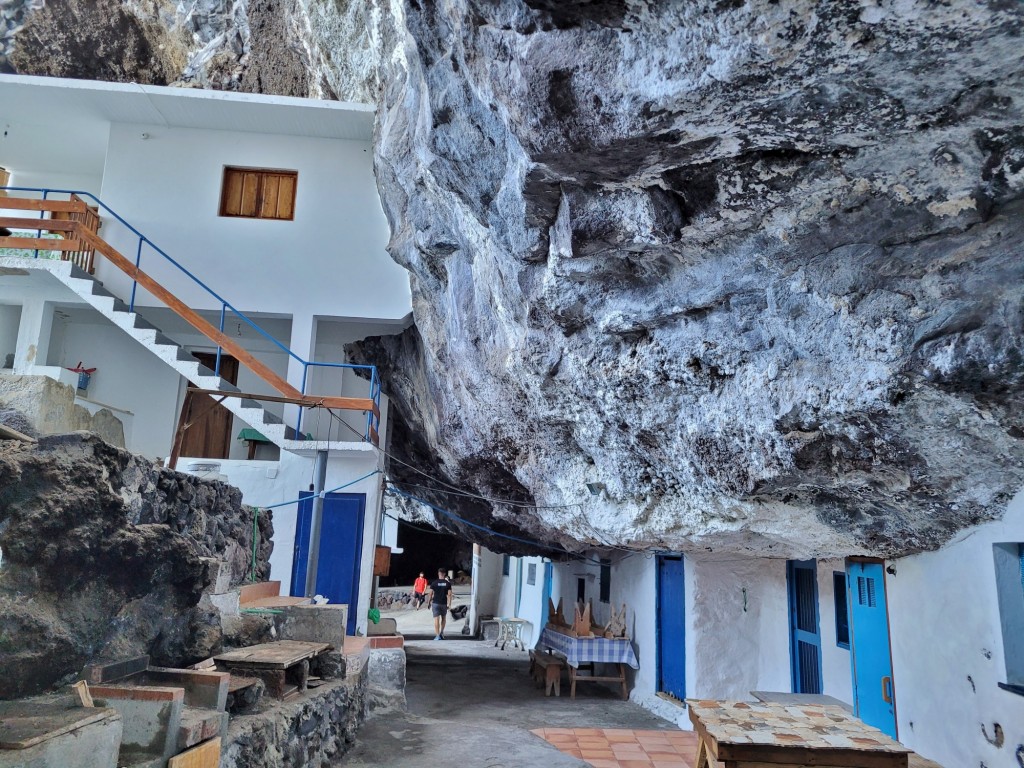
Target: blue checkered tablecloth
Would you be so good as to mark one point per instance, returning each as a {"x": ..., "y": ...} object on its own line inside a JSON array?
[{"x": 582, "y": 650}]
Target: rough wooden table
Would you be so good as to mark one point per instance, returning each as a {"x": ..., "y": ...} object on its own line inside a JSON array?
[
  {"x": 283, "y": 666},
  {"x": 738, "y": 734}
]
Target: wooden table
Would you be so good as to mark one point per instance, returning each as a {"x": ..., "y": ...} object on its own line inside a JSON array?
[
  {"x": 584, "y": 651},
  {"x": 737, "y": 734},
  {"x": 283, "y": 666}
]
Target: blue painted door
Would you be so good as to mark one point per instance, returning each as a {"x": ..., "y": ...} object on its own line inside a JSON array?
[
  {"x": 804, "y": 631},
  {"x": 873, "y": 695},
  {"x": 545, "y": 612},
  {"x": 671, "y": 627},
  {"x": 341, "y": 545}
]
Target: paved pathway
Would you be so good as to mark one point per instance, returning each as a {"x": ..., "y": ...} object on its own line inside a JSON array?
[{"x": 471, "y": 705}]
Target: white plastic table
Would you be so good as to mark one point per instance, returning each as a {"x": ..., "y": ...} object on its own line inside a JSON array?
[{"x": 510, "y": 631}]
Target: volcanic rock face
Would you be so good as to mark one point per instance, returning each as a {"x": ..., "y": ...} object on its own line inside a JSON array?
[
  {"x": 751, "y": 270},
  {"x": 259, "y": 46},
  {"x": 105, "y": 555},
  {"x": 755, "y": 268}
]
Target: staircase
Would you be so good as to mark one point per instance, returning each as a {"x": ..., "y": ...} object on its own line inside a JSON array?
[{"x": 79, "y": 243}]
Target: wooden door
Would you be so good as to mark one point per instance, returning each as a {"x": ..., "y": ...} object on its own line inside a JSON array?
[{"x": 209, "y": 436}]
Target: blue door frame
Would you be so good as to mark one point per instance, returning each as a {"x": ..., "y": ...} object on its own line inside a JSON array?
[
  {"x": 670, "y": 627},
  {"x": 874, "y": 696},
  {"x": 545, "y": 612},
  {"x": 804, "y": 628},
  {"x": 341, "y": 547}
]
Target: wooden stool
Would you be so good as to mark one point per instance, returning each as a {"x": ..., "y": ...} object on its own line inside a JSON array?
[{"x": 547, "y": 668}]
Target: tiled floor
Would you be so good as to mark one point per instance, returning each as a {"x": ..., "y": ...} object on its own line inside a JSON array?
[{"x": 620, "y": 748}]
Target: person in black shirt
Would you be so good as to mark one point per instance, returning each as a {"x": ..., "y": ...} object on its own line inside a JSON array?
[{"x": 441, "y": 593}]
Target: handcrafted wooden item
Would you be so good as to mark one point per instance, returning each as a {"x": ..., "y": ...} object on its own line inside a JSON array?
[
  {"x": 382, "y": 561},
  {"x": 556, "y": 619},
  {"x": 206, "y": 755},
  {"x": 581, "y": 623},
  {"x": 81, "y": 689},
  {"x": 616, "y": 626}
]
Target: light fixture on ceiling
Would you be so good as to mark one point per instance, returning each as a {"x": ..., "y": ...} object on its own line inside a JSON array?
[{"x": 596, "y": 489}]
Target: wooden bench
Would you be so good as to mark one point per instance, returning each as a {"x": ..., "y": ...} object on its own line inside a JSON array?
[{"x": 546, "y": 669}]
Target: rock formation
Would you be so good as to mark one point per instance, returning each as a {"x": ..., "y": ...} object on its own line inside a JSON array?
[
  {"x": 105, "y": 555},
  {"x": 751, "y": 271}
]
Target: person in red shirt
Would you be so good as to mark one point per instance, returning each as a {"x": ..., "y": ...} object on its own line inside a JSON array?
[{"x": 419, "y": 591}]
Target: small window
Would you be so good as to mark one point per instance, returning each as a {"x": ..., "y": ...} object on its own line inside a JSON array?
[
  {"x": 506, "y": 564},
  {"x": 531, "y": 573},
  {"x": 255, "y": 193},
  {"x": 581, "y": 590},
  {"x": 842, "y": 612},
  {"x": 1009, "y": 563},
  {"x": 606, "y": 581}
]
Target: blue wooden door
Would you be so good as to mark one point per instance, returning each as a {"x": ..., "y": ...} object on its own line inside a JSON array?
[
  {"x": 873, "y": 695},
  {"x": 804, "y": 631},
  {"x": 545, "y": 613},
  {"x": 671, "y": 627},
  {"x": 341, "y": 545}
]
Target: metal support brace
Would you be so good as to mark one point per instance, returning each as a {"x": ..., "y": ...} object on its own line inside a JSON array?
[{"x": 320, "y": 480}]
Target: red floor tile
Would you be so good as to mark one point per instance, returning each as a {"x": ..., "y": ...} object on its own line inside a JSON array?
[{"x": 623, "y": 748}]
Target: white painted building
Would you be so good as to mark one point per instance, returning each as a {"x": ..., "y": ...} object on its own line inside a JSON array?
[
  {"x": 955, "y": 629},
  {"x": 267, "y": 203}
]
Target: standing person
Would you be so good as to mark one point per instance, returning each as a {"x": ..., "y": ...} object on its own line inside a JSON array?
[
  {"x": 419, "y": 591},
  {"x": 441, "y": 594}
]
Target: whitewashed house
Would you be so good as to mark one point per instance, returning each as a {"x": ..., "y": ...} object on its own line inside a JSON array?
[
  {"x": 259, "y": 216},
  {"x": 940, "y": 634}
]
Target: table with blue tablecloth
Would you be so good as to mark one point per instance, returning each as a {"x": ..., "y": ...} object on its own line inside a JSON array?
[{"x": 584, "y": 651}]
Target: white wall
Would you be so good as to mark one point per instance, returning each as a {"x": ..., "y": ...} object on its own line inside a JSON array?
[
  {"x": 836, "y": 673},
  {"x": 731, "y": 650},
  {"x": 944, "y": 622},
  {"x": 266, "y": 483},
  {"x": 490, "y": 582},
  {"x": 330, "y": 260},
  {"x": 76, "y": 182},
  {"x": 128, "y": 377}
]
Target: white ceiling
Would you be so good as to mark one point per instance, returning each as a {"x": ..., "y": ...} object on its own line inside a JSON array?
[{"x": 62, "y": 125}]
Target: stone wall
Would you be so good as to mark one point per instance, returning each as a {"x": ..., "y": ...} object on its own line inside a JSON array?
[
  {"x": 313, "y": 730},
  {"x": 106, "y": 555}
]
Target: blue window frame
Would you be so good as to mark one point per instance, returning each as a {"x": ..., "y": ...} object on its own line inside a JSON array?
[
  {"x": 506, "y": 562},
  {"x": 842, "y": 610},
  {"x": 1009, "y": 567}
]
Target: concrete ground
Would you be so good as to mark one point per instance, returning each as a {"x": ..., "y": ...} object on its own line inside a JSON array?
[
  {"x": 472, "y": 705},
  {"x": 420, "y": 624}
]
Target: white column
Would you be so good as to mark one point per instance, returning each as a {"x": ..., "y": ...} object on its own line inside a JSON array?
[
  {"x": 33, "y": 335},
  {"x": 302, "y": 343}
]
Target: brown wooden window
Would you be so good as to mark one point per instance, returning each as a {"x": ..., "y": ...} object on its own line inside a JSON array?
[{"x": 258, "y": 193}]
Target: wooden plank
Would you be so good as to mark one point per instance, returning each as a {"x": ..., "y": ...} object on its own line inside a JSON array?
[
  {"x": 268, "y": 200},
  {"x": 308, "y": 401},
  {"x": 286, "y": 197},
  {"x": 382, "y": 561},
  {"x": 46, "y": 225},
  {"x": 231, "y": 193},
  {"x": 250, "y": 194},
  {"x": 25, "y": 724},
  {"x": 81, "y": 689},
  {"x": 128, "y": 692},
  {"x": 279, "y": 655},
  {"x": 189, "y": 315},
  {"x": 257, "y": 590},
  {"x": 105, "y": 672},
  {"x": 9, "y": 433},
  {"x": 42, "y": 243},
  {"x": 205, "y": 755},
  {"x": 27, "y": 204}
]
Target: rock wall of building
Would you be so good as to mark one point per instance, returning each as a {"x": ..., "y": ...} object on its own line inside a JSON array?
[{"x": 104, "y": 555}]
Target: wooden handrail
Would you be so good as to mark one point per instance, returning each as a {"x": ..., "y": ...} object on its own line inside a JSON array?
[
  {"x": 77, "y": 234},
  {"x": 186, "y": 313}
]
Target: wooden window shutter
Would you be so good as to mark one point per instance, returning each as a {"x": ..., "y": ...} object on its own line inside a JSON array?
[{"x": 258, "y": 193}]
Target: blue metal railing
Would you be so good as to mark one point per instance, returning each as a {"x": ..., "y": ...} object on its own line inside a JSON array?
[{"x": 372, "y": 420}]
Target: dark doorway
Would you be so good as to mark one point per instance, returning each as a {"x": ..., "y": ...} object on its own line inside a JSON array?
[{"x": 425, "y": 550}]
